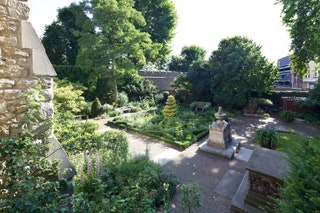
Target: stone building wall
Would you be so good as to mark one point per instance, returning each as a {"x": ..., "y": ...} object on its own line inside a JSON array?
[
  {"x": 25, "y": 67},
  {"x": 19, "y": 53}
]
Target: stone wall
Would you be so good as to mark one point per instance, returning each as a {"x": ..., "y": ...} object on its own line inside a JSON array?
[
  {"x": 160, "y": 78},
  {"x": 20, "y": 49},
  {"x": 25, "y": 68}
]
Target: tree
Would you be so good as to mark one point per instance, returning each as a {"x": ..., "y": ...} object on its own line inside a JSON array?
[
  {"x": 189, "y": 54},
  {"x": 60, "y": 39},
  {"x": 238, "y": 71},
  {"x": 303, "y": 20},
  {"x": 161, "y": 21},
  {"x": 198, "y": 77},
  {"x": 117, "y": 44}
]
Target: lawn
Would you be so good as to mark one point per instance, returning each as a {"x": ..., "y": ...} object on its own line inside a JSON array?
[
  {"x": 287, "y": 142},
  {"x": 182, "y": 130}
]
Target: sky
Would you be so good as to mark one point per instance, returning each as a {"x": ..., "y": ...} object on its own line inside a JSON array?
[{"x": 205, "y": 23}]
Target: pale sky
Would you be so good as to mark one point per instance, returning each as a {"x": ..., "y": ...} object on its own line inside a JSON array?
[{"x": 205, "y": 23}]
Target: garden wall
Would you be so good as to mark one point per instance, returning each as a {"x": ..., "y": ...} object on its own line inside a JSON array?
[{"x": 161, "y": 79}]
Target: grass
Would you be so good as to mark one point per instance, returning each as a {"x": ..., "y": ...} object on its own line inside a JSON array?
[{"x": 287, "y": 142}]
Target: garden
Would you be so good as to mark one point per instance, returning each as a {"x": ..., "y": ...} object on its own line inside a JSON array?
[{"x": 98, "y": 78}]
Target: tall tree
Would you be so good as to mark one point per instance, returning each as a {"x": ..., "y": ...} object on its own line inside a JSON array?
[
  {"x": 161, "y": 20},
  {"x": 60, "y": 39},
  {"x": 189, "y": 55},
  {"x": 117, "y": 44},
  {"x": 303, "y": 20},
  {"x": 239, "y": 71}
]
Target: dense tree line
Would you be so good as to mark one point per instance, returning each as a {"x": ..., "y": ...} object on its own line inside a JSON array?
[{"x": 234, "y": 73}]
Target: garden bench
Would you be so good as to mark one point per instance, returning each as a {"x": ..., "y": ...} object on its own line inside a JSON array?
[{"x": 125, "y": 109}]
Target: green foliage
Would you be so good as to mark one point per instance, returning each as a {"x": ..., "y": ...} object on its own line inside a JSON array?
[
  {"x": 287, "y": 115},
  {"x": 181, "y": 130},
  {"x": 136, "y": 87},
  {"x": 96, "y": 108},
  {"x": 189, "y": 55},
  {"x": 122, "y": 99},
  {"x": 302, "y": 186},
  {"x": 68, "y": 96},
  {"x": 30, "y": 181},
  {"x": 161, "y": 98},
  {"x": 132, "y": 185},
  {"x": 266, "y": 138},
  {"x": 76, "y": 136},
  {"x": 190, "y": 197},
  {"x": 161, "y": 20},
  {"x": 60, "y": 38},
  {"x": 117, "y": 45},
  {"x": 238, "y": 71},
  {"x": 170, "y": 108},
  {"x": 303, "y": 20}
]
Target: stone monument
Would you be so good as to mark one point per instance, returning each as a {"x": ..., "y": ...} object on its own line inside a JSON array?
[{"x": 220, "y": 141}]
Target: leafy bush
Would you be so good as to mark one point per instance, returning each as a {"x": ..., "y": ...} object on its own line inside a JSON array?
[
  {"x": 302, "y": 187},
  {"x": 161, "y": 98},
  {"x": 76, "y": 136},
  {"x": 134, "y": 185},
  {"x": 287, "y": 115},
  {"x": 122, "y": 99},
  {"x": 96, "y": 108},
  {"x": 68, "y": 97},
  {"x": 29, "y": 180},
  {"x": 266, "y": 137}
]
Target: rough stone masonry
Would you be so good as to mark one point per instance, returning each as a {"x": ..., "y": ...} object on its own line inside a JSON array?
[{"x": 24, "y": 66}]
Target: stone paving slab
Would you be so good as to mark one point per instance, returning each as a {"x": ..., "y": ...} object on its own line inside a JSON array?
[
  {"x": 166, "y": 156},
  {"x": 244, "y": 154},
  {"x": 229, "y": 183}
]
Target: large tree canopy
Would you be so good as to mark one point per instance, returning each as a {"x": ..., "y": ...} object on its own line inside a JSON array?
[
  {"x": 60, "y": 39},
  {"x": 117, "y": 44},
  {"x": 161, "y": 21},
  {"x": 303, "y": 19},
  {"x": 239, "y": 71},
  {"x": 189, "y": 55}
]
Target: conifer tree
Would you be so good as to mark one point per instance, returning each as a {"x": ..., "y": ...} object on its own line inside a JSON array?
[{"x": 170, "y": 108}]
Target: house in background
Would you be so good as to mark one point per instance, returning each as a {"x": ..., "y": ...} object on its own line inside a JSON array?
[
  {"x": 311, "y": 78},
  {"x": 286, "y": 77}
]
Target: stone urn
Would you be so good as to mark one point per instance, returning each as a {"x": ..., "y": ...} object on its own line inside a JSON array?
[{"x": 220, "y": 115}]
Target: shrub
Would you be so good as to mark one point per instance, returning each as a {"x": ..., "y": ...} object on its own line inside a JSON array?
[
  {"x": 132, "y": 185},
  {"x": 29, "y": 180},
  {"x": 287, "y": 115},
  {"x": 122, "y": 99},
  {"x": 170, "y": 108},
  {"x": 266, "y": 137},
  {"x": 302, "y": 186},
  {"x": 96, "y": 108},
  {"x": 160, "y": 98},
  {"x": 76, "y": 136},
  {"x": 68, "y": 96}
]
